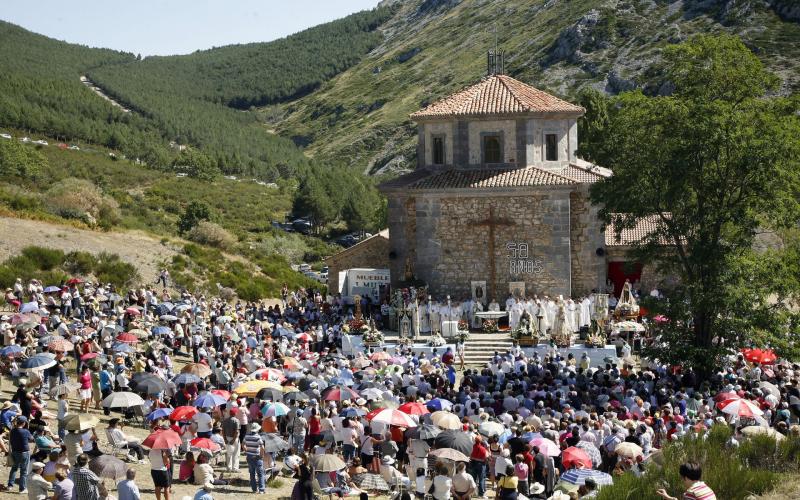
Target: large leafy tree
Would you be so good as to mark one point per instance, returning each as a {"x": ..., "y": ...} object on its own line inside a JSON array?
[{"x": 716, "y": 162}]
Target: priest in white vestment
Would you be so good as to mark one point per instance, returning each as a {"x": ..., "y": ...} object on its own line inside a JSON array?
[
  {"x": 510, "y": 301},
  {"x": 586, "y": 312},
  {"x": 514, "y": 315},
  {"x": 435, "y": 316},
  {"x": 494, "y": 306},
  {"x": 425, "y": 317}
]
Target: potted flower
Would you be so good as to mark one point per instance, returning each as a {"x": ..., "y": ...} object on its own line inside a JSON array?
[
  {"x": 490, "y": 326},
  {"x": 436, "y": 341}
]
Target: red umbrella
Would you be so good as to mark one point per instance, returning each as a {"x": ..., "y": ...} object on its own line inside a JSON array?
[
  {"x": 74, "y": 281},
  {"x": 162, "y": 439},
  {"x": 127, "y": 338},
  {"x": 222, "y": 393},
  {"x": 413, "y": 408},
  {"x": 89, "y": 355},
  {"x": 573, "y": 456},
  {"x": 340, "y": 394},
  {"x": 205, "y": 444},
  {"x": 722, "y": 396},
  {"x": 761, "y": 356},
  {"x": 183, "y": 413},
  {"x": 133, "y": 311}
]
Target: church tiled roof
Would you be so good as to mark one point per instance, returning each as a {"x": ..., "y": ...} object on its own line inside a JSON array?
[
  {"x": 490, "y": 178},
  {"x": 497, "y": 95},
  {"x": 645, "y": 226},
  {"x": 585, "y": 173}
]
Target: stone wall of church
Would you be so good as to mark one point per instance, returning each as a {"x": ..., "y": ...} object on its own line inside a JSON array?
[
  {"x": 531, "y": 244},
  {"x": 588, "y": 268},
  {"x": 402, "y": 228}
]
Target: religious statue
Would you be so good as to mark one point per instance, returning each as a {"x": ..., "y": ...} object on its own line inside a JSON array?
[
  {"x": 405, "y": 324},
  {"x": 627, "y": 305},
  {"x": 561, "y": 334},
  {"x": 409, "y": 270},
  {"x": 357, "y": 315}
]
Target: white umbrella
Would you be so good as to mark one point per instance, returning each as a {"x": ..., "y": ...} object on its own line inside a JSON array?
[
  {"x": 445, "y": 420},
  {"x": 122, "y": 400},
  {"x": 224, "y": 319},
  {"x": 490, "y": 429}
]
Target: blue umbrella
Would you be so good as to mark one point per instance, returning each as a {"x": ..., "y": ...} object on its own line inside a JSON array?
[
  {"x": 159, "y": 413},
  {"x": 186, "y": 378},
  {"x": 123, "y": 347},
  {"x": 353, "y": 412},
  {"x": 161, "y": 330},
  {"x": 209, "y": 400},
  {"x": 579, "y": 477},
  {"x": 168, "y": 305},
  {"x": 252, "y": 342},
  {"x": 11, "y": 350},
  {"x": 51, "y": 289},
  {"x": 43, "y": 360},
  {"x": 182, "y": 307},
  {"x": 439, "y": 404}
]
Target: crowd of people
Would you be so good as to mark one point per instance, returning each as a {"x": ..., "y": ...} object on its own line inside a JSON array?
[{"x": 228, "y": 387}]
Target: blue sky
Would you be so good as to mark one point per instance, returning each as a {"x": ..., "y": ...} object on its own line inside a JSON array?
[{"x": 163, "y": 27}]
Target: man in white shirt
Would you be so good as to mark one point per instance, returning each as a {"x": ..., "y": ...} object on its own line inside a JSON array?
[{"x": 202, "y": 421}]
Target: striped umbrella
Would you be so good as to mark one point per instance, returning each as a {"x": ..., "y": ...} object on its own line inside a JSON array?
[
  {"x": 740, "y": 408},
  {"x": 209, "y": 400},
  {"x": 394, "y": 417},
  {"x": 579, "y": 476},
  {"x": 275, "y": 410},
  {"x": 340, "y": 393}
]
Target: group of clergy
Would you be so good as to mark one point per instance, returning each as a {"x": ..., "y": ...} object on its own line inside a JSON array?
[{"x": 544, "y": 312}]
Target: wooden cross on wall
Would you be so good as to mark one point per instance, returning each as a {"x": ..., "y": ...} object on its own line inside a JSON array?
[{"x": 492, "y": 222}]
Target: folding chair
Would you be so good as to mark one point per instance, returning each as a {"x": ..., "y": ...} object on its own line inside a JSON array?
[{"x": 116, "y": 448}]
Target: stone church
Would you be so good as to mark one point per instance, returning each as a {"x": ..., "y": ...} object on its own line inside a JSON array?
[{"x": 498, "y": 200}]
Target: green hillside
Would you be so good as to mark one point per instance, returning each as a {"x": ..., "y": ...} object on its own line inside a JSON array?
[
  {"x": 194, "y": 100},
  {"x": 360, "y": 117}
]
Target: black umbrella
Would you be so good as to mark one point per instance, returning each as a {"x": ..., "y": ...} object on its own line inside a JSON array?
[
  {"x": 456, "y": 440},
  {"x": 149, "y": 385},
  {"x": 270, "y": 394},
  {"x": 109, "y": 467},
  {"x": 296, "y": 396},
  {"x": 424, "y": 431}
]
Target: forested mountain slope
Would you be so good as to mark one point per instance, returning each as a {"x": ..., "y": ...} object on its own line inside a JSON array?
[{"x": 434, "y": 47}]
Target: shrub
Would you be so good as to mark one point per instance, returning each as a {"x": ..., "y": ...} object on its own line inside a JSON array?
[
  {"x": 45, "y": 259},
  {"x": 81, "y": 263},
  {"x": 111, "y": 269},
  {"x": 726, "y": 471},
  {"x": 211, "y": 234},
  {"x": 81, "y": 199}
]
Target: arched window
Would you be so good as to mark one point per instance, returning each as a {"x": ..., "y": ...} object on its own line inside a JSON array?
[{"x": 491, "y": 149}]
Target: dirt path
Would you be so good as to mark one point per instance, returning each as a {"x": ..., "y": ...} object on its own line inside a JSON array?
[{"x": 142, "y": 250}]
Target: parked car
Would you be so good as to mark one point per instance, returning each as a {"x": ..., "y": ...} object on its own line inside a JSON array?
[
  {"x": 74, "y": 148},
  {"x": 346, "y": 241},
  {"x": 25, "y": 139},
  {"x": 41, "y": 142},
  {"x": 304, "y": 267},
  {"x": 302, "y": 226},
  {"x": 5, "y": 136}
]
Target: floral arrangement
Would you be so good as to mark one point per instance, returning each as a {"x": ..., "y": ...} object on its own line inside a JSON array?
[
  {"x": 436, "y": 341},
  {"x": 463, "y": 325},
  {"x": 490, "y": 326},
  {"x": 355, "y": 325},
  {"x": 595, "y": 340},
  {"x": 462, "y": 335},
  {"x": 373, "y": 336}
]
